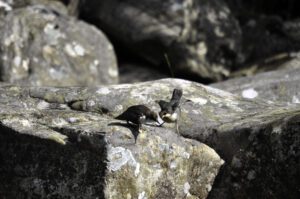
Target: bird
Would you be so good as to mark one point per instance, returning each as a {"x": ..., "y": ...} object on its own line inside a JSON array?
[
  {"x": 168, "y": 109},
  {"x": 138, "y": 115}
]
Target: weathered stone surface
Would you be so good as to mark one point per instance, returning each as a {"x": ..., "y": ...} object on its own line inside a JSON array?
[
  {"x": 63, "y": 142},
  {"x": 200, "y": 37},
  {"x": 280, "y": 86},
  {"x": 40, "y": 46},
  {"x": 257, "y": 139},
  {"x": 9, "y": 5}
]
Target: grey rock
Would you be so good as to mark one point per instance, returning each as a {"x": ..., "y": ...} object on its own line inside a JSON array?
[
  {"x": 258, "y": 140},
  {"x": 278, "y": 86},
  {"x": 64, "y": 143},
  {"x": 200, "y": 37},
  {"x": 40, "y": 46},
  {"x": 57, "y": 5}
]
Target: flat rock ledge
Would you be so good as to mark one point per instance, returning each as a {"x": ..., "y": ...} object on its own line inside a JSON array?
[
  {"x": 64, "y": 142},
  {"x": 49, "y": 149}
]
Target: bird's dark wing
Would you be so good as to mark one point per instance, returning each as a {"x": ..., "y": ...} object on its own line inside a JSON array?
[
  {"x": 177, "y": 94},
  {"x": 175, "y": 100}
]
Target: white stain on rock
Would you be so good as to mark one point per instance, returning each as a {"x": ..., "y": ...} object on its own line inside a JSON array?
[
  {"x": 142, "y": 195},
  {"x": 43, "y": 105},
  {"x": 113, "y": 72},
  {"x": 25, "y": 123},
  {"x": 119, "y": 157},
  {"x": 17, "y": 61},
  {"x": 295, "y": 100},
  {"x": 74, "y": 50},
  {"x": 249, "y": 93},
  {"x": 186, "y": 188},
  {"x": 103, "y": 91},
  {"x": 199, "y": 100}
]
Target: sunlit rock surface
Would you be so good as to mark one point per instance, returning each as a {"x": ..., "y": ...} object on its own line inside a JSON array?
[
  {"x": 278, "y": 86},
  {"x": 63, "y": 142},
  {"x": 258, "y": 140},
  {"x": 41, "y": 46}
]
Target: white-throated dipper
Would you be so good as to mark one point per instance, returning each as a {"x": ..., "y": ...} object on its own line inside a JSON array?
[
  {"x": 168, "y": 109},
  {"x": 138, "y": 114}
]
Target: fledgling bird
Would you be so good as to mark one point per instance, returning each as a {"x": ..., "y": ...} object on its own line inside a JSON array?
[
  {"x": 138, "y": 114},
  {"x": 168, "y": 109}
]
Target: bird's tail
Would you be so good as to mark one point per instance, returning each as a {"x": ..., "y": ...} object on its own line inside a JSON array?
[{"x": 177, "y": 94}]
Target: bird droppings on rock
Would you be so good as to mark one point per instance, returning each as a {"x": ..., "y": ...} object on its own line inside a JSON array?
[
  {"x": 103, "y": 91},
  {"x": 249, "y": 93}
]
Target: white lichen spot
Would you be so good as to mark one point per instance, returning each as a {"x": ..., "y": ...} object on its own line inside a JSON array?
[
  {"x": 91, "y": 103},
  {"x": 137, "y": 169},
  {"x": 113, "y": 72},
  {"x": 208, "y": 187},
  {"x": 249, "y": 93},
  {"x": 17, "y": 61},
  {"x": 43, "y": 105},
  {"x": 186, "y": 155},
  {"x": 74, "y": 49},
  {"x": 186, "y": 188},
  {"x": 25, "y": 123},
  {"x": 173, "y": 165},
  {"x": 295, "y": 100},
  {"x": 5, "y": 5},
  {"x": 103, "y": 91},
  {"x": 80, "y": 51},
  {"x": 72, "y": 120},
  {"x": 118, "y": 157},
  {"x": 59, "y": 122},
  {"x": 199, "y": 100},
  {"x": 277, "y": 130},
  {"x": 69, "y": 50},
  {"x": 25, "y": 64},
  {"x": 142, "y": 195}
]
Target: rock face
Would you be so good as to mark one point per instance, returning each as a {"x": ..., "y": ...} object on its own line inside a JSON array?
[
  {"x": 199, "y": 37},
  {"x": 258, "y": 141},
  {"x": 280, "y": 86},
  {"x": 51, "y": 149},
  {"x": 40, "y": 46}
]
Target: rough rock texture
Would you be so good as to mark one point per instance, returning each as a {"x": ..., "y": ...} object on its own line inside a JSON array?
[
  {"x": 259, "y": 141},
  {"x": 281, "y": 86},
  {"x": 9, "y": 5},
  {"x": 63, "y": 142},
  {"x": 40, "y": 46},
  {"x": 200, "y": 37}
]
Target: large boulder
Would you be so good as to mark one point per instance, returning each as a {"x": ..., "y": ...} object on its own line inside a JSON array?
[
  {"x": 50, "y": 149},
  {"x": 258, "y": 140},
  {"x": 199, "y": 37},
  {"x": 278, "y": 86},
  {"x": 40, "y": 46}
]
